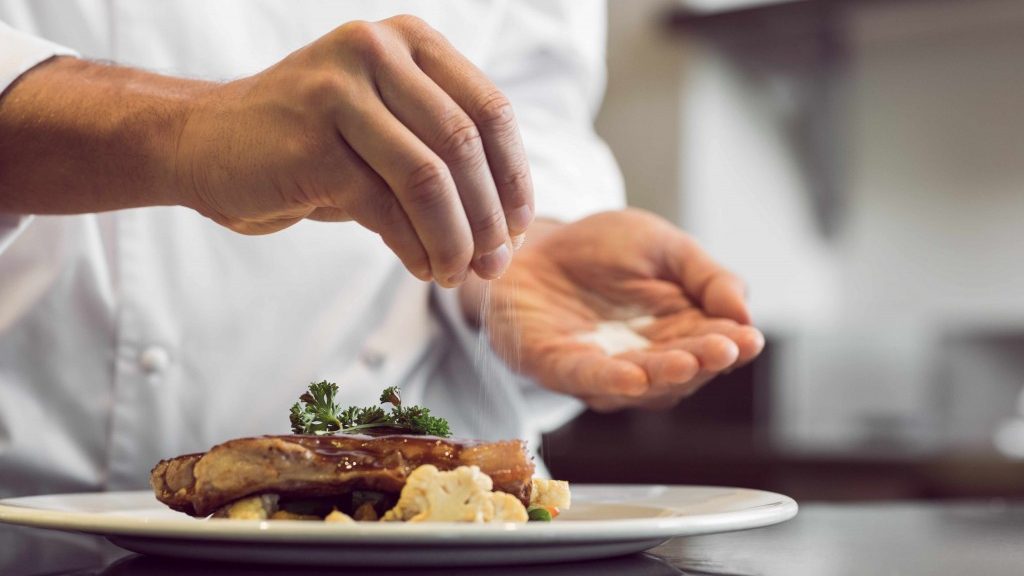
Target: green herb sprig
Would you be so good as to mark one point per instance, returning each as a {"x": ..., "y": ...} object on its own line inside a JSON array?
[{"x": 318, "y": 413}]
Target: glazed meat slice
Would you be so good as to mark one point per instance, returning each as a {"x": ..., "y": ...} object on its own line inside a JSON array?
[{"x": 310, "y": 466}]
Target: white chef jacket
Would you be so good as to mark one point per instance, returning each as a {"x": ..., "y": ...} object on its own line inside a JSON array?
[{"x": 135, "y": 335}]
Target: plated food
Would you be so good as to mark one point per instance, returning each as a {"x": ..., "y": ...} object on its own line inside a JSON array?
[{"x": 360, "y": 464}]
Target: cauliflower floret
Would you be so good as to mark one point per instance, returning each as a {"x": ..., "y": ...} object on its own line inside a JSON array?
[
  {"x": 460, "y": 495},
  {"x": 259, "y": 507},
  {"x": 286, "y": 515},
  {"x": 550, "y": 493},
  {"x": 508, "y": 508},
  {"x": 338, "y": 517}
]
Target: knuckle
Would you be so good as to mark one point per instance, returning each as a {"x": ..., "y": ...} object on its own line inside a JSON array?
[
  {"x": 489, "y": 226},
  {"x": 429, "y": 185},
  {"x": 408, "y": 22},
  {"x": 354, "y": 29},
  {"x": 462, "y": 143},
  {"x": 367, "y": 39},
  {"x": 516, "y": 184},
  {"x": 495, "y": 112},
  {"x": 414, "y": 30}
]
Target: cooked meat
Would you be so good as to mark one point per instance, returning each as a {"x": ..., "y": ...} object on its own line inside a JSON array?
[{"x": 310, "y": 466}]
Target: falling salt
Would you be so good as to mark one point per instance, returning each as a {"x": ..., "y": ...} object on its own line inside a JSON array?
[
  {"x": 497, "y": 362},
  {"x": 617, "y": 336}
]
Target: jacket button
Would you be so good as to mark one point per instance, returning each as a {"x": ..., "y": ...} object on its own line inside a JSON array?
[
  {"x": 154, "y": 359},
  {"x": 371, "y": 358}
]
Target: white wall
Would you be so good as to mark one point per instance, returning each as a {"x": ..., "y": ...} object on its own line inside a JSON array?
[
  {"x": 903, "y": 328},
  {"x": 698, "y": 147},
  {"x": 641, "y": 117}
]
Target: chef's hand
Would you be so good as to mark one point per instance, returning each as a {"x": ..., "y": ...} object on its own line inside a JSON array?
[
  {"x": 618, "y": 266},
  {"x": 382, "y": 123}
]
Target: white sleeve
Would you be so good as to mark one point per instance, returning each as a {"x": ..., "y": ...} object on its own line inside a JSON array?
[
  {"x": 547, "y": 56},
  {"x": 19, "y": 53}
]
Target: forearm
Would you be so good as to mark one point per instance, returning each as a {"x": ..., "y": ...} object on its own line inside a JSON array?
[{"x": 79, "y": 137}]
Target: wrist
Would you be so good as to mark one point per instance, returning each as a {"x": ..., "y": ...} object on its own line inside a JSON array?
[
  {"x": 172, "y": 105},
  {"x": 178, "y": 166}
]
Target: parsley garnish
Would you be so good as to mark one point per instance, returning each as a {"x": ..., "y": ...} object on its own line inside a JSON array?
[{"x": 318, "y": 413}]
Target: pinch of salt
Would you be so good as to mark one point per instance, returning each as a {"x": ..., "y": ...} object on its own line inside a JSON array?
[{"x": 615, "y": 337}]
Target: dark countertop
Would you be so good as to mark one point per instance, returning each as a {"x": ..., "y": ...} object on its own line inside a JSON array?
[{"x": 906, "y": 539}]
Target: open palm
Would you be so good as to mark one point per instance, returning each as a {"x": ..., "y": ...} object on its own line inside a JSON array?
[{"x": 621, "y": 266}]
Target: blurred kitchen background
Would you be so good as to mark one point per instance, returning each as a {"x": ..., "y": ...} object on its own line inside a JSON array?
[{"x": 861, "y": 164}]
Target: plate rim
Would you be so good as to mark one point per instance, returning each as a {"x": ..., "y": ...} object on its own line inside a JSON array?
[{"x": 779, "y": 508}]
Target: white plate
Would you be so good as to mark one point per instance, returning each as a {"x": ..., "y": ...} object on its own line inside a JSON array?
[{"x": 604, "y": 521}]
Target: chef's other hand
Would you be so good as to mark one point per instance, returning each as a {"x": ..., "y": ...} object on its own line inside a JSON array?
[
  {"x": 618, "y": 266},
  {"x": 384, "y": 123}
]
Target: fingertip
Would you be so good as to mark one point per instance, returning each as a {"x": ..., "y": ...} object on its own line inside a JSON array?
[
  {"x": 519, "y": 219},
  {"x": 720, "y": 353},
  {"x": 751, "y": 343},
  {"x": 684, "y": 366},
  {"x": 491, "y": 266},
  {"x": 454, "y": 280},
  {"x": 667, "y": 368},
  {"x": 629, "y": 379}
]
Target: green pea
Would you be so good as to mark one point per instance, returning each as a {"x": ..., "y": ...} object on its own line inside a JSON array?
[{"x": 539, "y": 514}]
